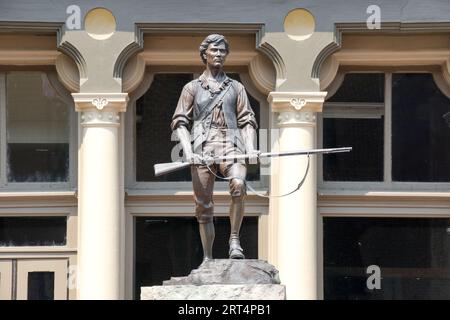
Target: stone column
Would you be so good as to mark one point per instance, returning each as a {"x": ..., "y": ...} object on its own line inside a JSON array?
[
  {"x": 99, "y": 195},
  {"x": 295, "y": 216}
]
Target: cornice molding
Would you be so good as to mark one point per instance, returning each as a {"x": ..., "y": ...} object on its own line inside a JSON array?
[
  {"x": 43, "y": 57},
  {"x": 32, "y": 27},
  {"x": 165, "y": 58},
  {"x": 386, "y": 59},
  {"x": 35, "y": 57},
  {"x": 393, "y": 27},
  {"x": 178, "y": 28},
  {"x": 386, "y": 28},
  {"x": 29, "y": 57},
  {"x": 199, "y": 28}
]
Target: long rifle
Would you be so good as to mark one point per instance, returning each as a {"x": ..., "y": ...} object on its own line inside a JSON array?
[{"x": 164, "y": 168}]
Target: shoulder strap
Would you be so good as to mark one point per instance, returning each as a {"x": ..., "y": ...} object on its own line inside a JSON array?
[{"x": 210, "y": 106}]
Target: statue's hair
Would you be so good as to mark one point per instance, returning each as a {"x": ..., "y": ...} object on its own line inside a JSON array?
[{"x": 212, "y": 38}]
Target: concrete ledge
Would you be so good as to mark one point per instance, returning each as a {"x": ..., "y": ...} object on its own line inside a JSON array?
[{"x": 215, "y": 292}]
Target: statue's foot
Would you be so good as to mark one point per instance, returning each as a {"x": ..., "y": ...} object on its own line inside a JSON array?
[
  {"x": 236, "y": 251},
  {"x": 206, "y": 259}
]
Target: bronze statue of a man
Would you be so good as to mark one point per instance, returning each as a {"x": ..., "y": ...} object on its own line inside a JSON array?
[{"x": 216, "y": 111}]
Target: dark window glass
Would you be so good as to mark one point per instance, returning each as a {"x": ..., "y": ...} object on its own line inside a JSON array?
[
  {"x": 41, "y": 285},
  {"x": 38, "y": 129},
  {"x": 365, "y": 161},
  {"x": 412, "y": 255},
  {"x": 420, "y": 136},
  {"x": 360, "y": 87},
  {"x": 171, "y": 247},
  {"x": 33, "y": 231},
  {"x": 358, "y": 127},
  {"x": 154, "y": 111},
  {"x": 50, "y": 162}
]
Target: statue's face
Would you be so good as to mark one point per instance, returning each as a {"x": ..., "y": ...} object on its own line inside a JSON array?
[{"x": 215, "y": 55}]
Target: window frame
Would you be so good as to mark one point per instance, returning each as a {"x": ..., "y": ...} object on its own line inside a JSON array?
[
  {"x": 71, "y": 183},
  {"x": 387, "y": 184},
  {"x": 167, "y": 188}
]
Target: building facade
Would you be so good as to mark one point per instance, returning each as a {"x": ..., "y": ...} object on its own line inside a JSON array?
[{"x": 87, "y": 91}]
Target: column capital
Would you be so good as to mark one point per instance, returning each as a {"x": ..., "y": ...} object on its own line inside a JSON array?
[
  {"x": 111, "y": 102},
  {"x": 96, "y": 118},
  {"x": 296, "y": 101},
  {"x": 296, "y": 118}
]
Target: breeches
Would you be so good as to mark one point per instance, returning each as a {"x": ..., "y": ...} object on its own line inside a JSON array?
[{"x": 203, "y": 179}]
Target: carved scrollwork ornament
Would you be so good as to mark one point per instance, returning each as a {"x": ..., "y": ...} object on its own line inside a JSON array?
[
  {"x": 99, "y": 103},
  {"x": 298, "y": 103}
]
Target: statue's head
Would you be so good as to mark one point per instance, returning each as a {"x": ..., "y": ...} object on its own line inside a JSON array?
[{"x": 212, "y": 39}]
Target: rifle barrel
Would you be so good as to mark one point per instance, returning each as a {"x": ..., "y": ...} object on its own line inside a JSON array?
[
  {"x": 285, "y": 153},
  {"x": 164, "y": 168}
]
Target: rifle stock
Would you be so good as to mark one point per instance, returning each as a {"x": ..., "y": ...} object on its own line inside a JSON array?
[{"x": 164, "y": 168}]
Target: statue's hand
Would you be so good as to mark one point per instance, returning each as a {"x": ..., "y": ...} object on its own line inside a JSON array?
[
  {"x": 208, "y": 160},
  {"x": 193, "y": 158},
  {"x": 253, "y": 156}
]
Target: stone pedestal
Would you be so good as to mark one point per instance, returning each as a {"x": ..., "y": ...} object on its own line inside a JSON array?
[{"x": 222, "y": 279}]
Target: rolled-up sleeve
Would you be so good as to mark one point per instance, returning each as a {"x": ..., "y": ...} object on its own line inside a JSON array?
[
  {"x": 245, "y": 114},
  {"x": 183, "y": 113}
]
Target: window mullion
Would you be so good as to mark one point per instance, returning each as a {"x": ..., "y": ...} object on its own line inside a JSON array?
[
  {"x": 388, "y": 128},
  {"x": 2, "y": 129}
]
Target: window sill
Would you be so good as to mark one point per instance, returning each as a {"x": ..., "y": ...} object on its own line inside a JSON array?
[
  {"x": 38, "y": 249},
  {"x": 183, "y": 195},
  {"x": 52, "y": 197},
  {"x": 384, "y": 204},
  {"x": 382, "y": 195}
]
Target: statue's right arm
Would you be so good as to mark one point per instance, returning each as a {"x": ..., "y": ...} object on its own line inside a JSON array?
[{"x": 185, "y": 140}]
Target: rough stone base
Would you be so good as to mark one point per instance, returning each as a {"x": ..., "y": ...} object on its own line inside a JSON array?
[
  {"x": 215, "y": 292},
  {"x": 222, "y": 279},
  {"x": 228, "y": 271}
]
